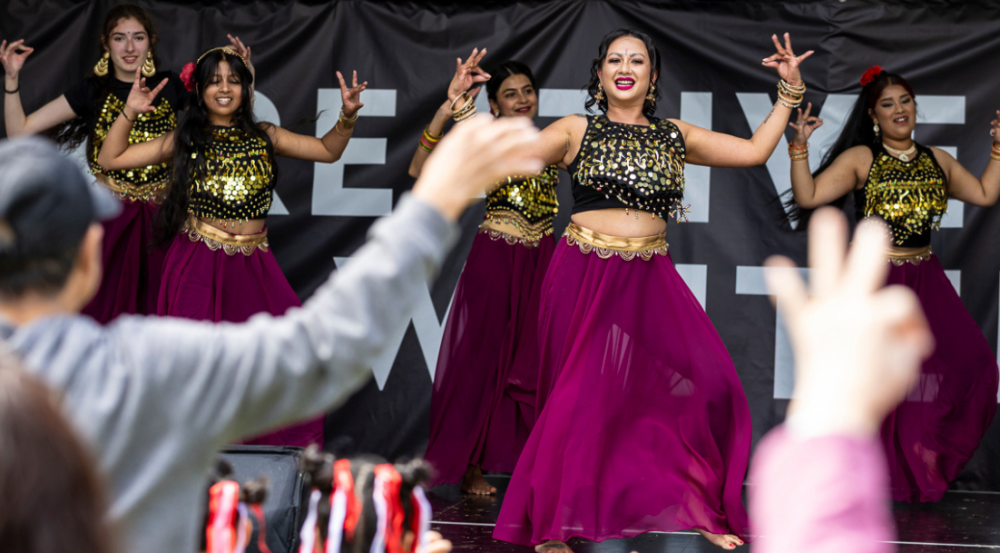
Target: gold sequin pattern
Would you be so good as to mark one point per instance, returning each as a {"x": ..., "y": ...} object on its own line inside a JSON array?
[
  {"x": 147, "y": 127},
  {"x": 511, "y": 239},
  {"x": 528, "y": 203},
  {"x": 643, "y": 167},
  {"x": 239, "y": 179},
  {"x": 910, "y": 196}
]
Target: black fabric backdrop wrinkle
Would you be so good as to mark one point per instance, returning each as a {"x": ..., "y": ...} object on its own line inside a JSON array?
[{"x": 943, "y": 48}]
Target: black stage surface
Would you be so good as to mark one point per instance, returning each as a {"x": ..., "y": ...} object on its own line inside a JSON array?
[{"x": 963, "y": 522}]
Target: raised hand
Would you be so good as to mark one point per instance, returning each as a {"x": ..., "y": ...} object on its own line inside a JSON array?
[
  {"x": 995, "y": 130},
  {"x": 785, "y": 61},
  {"x": 12, "y": 57},
  {"x": 236, "y": 44},
  {"x": 467, "y": 75},
  {"x": 805, "y": 125},
  {"x": 351, "y": 97},
  {"x": 140, "y": 98}
]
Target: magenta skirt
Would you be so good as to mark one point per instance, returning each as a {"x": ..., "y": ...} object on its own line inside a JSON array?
[
  {"x": 937, "y": 428},
  {"x": 212, "y": 285},
  {"x": 643, "y": 424},
  {"x": 132, "y": 267},
  {"x": 483, "y": 403}
]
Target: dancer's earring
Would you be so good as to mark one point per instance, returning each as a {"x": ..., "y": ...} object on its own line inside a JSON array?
[
  {"x": 600, "y": 92},
  {"x": 148, "y": 67},
  {"x": 101, "y": 69},
  {"x": 649, "y": 95},
  {"x": 876, "y": 127}
]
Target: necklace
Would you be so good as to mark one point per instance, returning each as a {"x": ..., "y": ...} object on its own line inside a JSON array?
[{"x": 904, "y": 155}]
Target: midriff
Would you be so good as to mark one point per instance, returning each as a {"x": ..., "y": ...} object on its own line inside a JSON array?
[
  {"x": 615, "y": 222},
  {"x": 252, "y": 226}
]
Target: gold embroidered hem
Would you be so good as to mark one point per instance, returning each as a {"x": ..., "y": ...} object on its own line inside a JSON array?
[
  {"x": 154, "y": 191},
  {"x": 606, "y": 246},
  {"x": 510, "y": 239},
  {"x": 528, "y": 232},
  {"x": 899, "y": 258},
  {"x": 216, "y": 239}
]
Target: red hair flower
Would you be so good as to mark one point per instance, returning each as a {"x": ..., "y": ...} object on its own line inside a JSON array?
[
  {"x": 869, "y": 76},
  {"x": 187, "y": 76}
]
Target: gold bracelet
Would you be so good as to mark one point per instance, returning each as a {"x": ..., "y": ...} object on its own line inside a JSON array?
[
  {"x": 469, "y": 115},
  {"x": 350, "y": 129},
  {"x": 469, "y": 106}
]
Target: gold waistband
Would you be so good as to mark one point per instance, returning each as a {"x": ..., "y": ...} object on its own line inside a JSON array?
[
  {"x": 154, "y": 191},
  {"x": 606, "y": 246},
  {"x": 898, "y": 258},
  {"x": 511, "y": 239},
  {"x": 216, "y": 238}
]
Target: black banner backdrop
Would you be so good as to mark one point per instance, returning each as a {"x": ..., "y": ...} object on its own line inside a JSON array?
[{"x": 712, "y": 76}]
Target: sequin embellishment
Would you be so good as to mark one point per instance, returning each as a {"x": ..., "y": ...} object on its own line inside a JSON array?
[
  {"x": 529, "y": 204},
  {"x": 239, "y": 179},
  {"x": 147, "y": 127},
  {"x": 910, "y": 196}
]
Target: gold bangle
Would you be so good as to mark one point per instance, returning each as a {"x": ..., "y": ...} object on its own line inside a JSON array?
[
  {"x": 430, "y": 137},
  {"x": 348, "y": 135}
]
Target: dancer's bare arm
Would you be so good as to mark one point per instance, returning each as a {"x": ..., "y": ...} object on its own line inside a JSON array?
[
  {"x": 329, "y": 148},
  {"x": 963, "y": 185},
  {"x": 12, "y": 56},
  {"x": 116, "y": 153}
]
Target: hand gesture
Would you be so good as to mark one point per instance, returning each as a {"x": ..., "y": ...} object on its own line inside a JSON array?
[
  {"x": 786, "y": 61},
  {"x": 12, "y": 56},
  {"x": 236, "y": 44},
  {"x": 140, "y": 98},
  {"x": 858, "y": 344},
  {"x": 995, "y": 130},
  {"x": 351, "y": 97},
  {"x": 805, "y": 125},
  {"x": 467, "y": 75}
]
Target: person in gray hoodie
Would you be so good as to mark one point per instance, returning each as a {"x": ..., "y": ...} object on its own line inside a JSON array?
[{"x": 156, "y": 398}]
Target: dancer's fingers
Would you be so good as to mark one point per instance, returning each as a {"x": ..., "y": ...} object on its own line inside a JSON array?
[
  {"x": 788, "y": 44},
  {"x": 809, "y": 107},
  {"x": 777, "y": 45},
  {"x": 802, "y": 58},
  {"x": 354, "y": 79},
  {"x": 343, "y": 83},
  {"x": 827, "y": 247}
]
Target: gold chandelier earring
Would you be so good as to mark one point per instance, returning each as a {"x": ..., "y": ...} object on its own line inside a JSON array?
[
  {"x": 600, "y": 92},
  {"x": 649, "y": 95},
  {"x": 876, "y": 127},
  {"x": 148, "y": 67},
  {"x": 101, "y": 69}
]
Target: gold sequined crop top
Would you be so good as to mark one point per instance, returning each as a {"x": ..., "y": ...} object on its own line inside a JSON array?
[
  {"x": 528, "y": 203},
  {"x": 239, "y": 182},
  {"x": 630, "y": 166},
  {"x": 911, "y": 196}
]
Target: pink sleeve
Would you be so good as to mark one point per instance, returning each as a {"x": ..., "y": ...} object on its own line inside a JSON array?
[{"x": 823, "y": 495}]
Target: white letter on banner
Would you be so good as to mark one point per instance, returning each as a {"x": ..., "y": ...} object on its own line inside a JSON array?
[
  {"x": 329, "y": 195},
  {"x": 696, "y": 108},
  {"x": 427, "y": 326},
  {"x": 750, "y": 281},
  {"x": 265, "y": 110}
]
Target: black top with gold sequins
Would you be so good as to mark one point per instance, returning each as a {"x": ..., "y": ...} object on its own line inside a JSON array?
[
  {"x": 529, "y": 203},
  {"x": 911, "y": 196},
  {"x": 239, "y": 181},
  {"x": 630, "y": 166},
  {"x": 101, "y": 113}
]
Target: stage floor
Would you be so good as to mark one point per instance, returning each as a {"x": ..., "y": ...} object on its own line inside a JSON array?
[{"x": 963, "y": 522}]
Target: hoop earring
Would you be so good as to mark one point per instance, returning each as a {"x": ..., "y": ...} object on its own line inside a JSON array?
[
  {"x": 876, "y": 127},
  {"x": 649, "y": 95},
  {"x": 101, "y": 69},
  {"x": 148, "y": 67},
  {"x": 600, "y": 92}
]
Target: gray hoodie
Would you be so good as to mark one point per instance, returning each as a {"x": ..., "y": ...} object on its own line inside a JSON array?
[{"x": 156, "y": 398}]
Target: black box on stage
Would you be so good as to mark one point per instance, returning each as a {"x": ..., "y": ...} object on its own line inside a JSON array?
[{"x": 285, "y": 500}]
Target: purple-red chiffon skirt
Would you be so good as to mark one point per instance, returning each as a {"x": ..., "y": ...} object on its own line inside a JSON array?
[
  {"x": 643, "y": 424},
  {"x": 483, "y": 403},
  {"x": 211, "y": 285},
  {"x": 937, "y": 428},
  {"x": 132, "y": 267}
]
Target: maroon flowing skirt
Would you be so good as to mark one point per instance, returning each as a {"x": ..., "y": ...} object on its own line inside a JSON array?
[
  {"x": 937, "y": 428},
  {"x": 132, "y": 267},
  {"x": 643, "y": 424},
  {"x": 211, "y": 285},
  {"x": 483, "y": 403}
]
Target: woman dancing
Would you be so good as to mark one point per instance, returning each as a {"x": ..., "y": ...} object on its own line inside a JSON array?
[
  {"x": 85, "y": 112},
  {"x": 219, "y": 266},
  {"x": 483, "y": 404},
  {"x": 643, "y": 423},
  {"x": 932, "y": 434}
]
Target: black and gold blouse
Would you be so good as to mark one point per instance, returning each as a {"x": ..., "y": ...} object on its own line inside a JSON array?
[
  {"x": 239, "y": 178},
  {"x": 911, "y": 196},
  {"x": 528, "y": 203},
  {"x": 630, "y": 166},
  {"x": 143, "y": 183}
]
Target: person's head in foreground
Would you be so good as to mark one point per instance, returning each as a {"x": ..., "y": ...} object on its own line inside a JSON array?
[
  {"x": 50, "y": 232},
  {"x": 52, "y": 499},
  {"x": 229, "y": 506},
  {"x": 363, "y": 505}
]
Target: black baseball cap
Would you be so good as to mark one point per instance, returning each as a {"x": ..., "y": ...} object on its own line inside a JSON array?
[{"x": 46, "y": 201}]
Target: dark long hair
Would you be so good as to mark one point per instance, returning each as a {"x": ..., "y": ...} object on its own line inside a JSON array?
[
  {"x": 500, "y": 73},
  {"x": 649, "y": 106},
  {"x": 74, "y": 132},
  {"x": 858, "y": 130},
  {"x": 194, "y": 135},
  {"x": 53, "y": 498}
]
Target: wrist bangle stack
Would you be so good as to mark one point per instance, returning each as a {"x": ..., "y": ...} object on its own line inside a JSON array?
[
  {"x": 790, "y": 96},
  {"x": 465, "y": 112},
  {"x": 798, "y": 153},
  {"x": 346, "y": 123},
  {"x": 995, "y": 152},
  {"x": 428, "y": 141}
]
